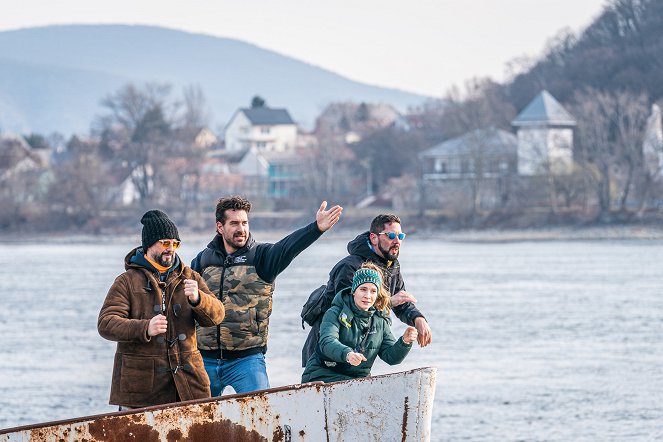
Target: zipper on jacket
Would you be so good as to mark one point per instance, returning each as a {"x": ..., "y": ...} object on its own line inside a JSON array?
[{"x": 227, "y": 260}]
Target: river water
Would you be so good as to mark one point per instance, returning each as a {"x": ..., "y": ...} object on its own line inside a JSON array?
[{"x": 533, "y": 341}]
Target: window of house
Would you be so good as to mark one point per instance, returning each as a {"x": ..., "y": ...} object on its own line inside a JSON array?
[
  {"x": 264, "y": 130},
  {"x": 440, "y": 166}
]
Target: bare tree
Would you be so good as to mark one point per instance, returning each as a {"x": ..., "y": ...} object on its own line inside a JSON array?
[
  {"x": 136, "y": 132},
  {"x": 611, "y": 131},
  {"x": 594, "y": 151},
  {"x": 629, "y": 120},
  {"x": 78, "y": 193},
  {"x": 191, "y": 124},
  {"x": 195, "y": 110},
  {"x": 475, "y": 113}
]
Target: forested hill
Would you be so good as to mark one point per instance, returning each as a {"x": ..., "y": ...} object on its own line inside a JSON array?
[
  {"x": 53, "y": 78},
  {"x": 621, "y": 50}
]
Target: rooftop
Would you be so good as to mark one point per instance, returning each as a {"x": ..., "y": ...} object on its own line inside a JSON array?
[{"x": 544, "y": 108}]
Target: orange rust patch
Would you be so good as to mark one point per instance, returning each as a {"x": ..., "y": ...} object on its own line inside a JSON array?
[
  {"x": 223, "y": 430},
  {"x": 122, "y": 429}
]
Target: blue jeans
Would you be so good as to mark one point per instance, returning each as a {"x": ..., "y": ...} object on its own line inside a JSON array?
[{"x": 243, "y": 374}]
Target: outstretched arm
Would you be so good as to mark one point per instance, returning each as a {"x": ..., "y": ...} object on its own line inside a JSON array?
[{"x": 272, "y": 259}]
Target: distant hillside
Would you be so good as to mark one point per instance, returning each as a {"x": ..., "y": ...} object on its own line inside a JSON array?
[
  {"x": 621, "y": 49},
  {"x": 53, "y": 78}
]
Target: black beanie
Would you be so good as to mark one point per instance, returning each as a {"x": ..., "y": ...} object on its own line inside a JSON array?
[{"x": 156, "y": 226}]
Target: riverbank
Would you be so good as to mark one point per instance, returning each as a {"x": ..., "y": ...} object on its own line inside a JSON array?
[
  {"x": 566, "y": 233},
  {"x": 552, "y": 234}
]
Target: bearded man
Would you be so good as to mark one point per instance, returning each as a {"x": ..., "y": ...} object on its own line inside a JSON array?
[
  {"x": 241, "y": 273},
  {"x": 381, "y": 246},
  {"x": 151, "y": 311}
]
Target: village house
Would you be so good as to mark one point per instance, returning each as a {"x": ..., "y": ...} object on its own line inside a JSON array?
[
  {"x": 652, "y": 146},
  {"x": 471, "y": 169},
  {"x": 351, "y": 121},
  {"x": 483, "y": 168},
  {"x": 262, "y": 156},
  {"x": 262, "y": 128},
  {"x": 22, "y": 170}
]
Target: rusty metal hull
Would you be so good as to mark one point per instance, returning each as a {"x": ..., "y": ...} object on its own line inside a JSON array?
[{"x": 393, "y": 407}]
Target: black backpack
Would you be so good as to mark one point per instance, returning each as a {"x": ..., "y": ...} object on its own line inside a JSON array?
[
  {"x": 314, "y": 307},
  {"x": 312, "y": 311}
]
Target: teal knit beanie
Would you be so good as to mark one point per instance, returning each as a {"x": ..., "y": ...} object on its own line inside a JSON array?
[{"x": 364, "y": 275}]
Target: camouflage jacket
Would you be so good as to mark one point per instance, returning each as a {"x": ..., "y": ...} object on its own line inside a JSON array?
[{"x": 244, "y": 282}]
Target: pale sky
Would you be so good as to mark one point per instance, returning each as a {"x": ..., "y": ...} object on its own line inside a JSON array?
[{"x": 422, "y": 46}]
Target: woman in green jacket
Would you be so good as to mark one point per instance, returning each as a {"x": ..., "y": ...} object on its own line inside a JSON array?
[{"x": 355, "y": 330}]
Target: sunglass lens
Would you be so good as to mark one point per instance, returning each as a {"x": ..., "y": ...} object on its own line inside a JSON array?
[{"x": 392, "y": 236}]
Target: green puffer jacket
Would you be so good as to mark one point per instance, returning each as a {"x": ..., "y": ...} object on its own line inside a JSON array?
[{"x": 341, "y": 332}]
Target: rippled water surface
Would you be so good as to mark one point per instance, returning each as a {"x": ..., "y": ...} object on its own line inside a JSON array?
[{"x": 533, "y": 341}]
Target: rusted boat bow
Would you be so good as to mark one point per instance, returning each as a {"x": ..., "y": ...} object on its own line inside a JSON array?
[{"x": 392, "y": 407}]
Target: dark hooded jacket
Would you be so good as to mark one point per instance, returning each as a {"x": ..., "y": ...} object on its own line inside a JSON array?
[
  {"x": 341, "y": 332},
  {"x": 244, "y": 282},
  {"x": 158, "y": 369},
  {"x": 340, "y": 277}
]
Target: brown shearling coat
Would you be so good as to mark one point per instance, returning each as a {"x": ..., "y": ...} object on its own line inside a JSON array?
[{"x": 159, "y": 369}]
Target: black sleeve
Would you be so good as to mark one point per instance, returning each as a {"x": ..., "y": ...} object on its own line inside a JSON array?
[
  {"x": 195, "y": 264},
  {"x": 407, "y": 312},
  {"x": 272, "y": 259}
]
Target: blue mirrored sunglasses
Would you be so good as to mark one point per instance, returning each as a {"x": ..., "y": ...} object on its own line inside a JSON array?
[{"x": 392, "y": 235}]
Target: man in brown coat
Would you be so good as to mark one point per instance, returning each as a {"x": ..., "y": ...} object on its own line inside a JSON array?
[{"x": 151, "y": 310}]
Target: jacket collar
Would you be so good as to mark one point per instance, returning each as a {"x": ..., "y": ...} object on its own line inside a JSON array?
[
  {"x": 217, "y": 246},
  {"x": 136, "y": 259}
]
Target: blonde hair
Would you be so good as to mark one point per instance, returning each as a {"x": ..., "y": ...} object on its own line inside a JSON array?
[{"x": 383, "y": 300}]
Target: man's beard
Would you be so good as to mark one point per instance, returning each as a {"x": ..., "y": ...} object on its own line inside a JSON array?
[
  {"x": 166, "y": 260},
  {"x": 387, "y": 254},
  {"x": 236, "y": 243}
]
